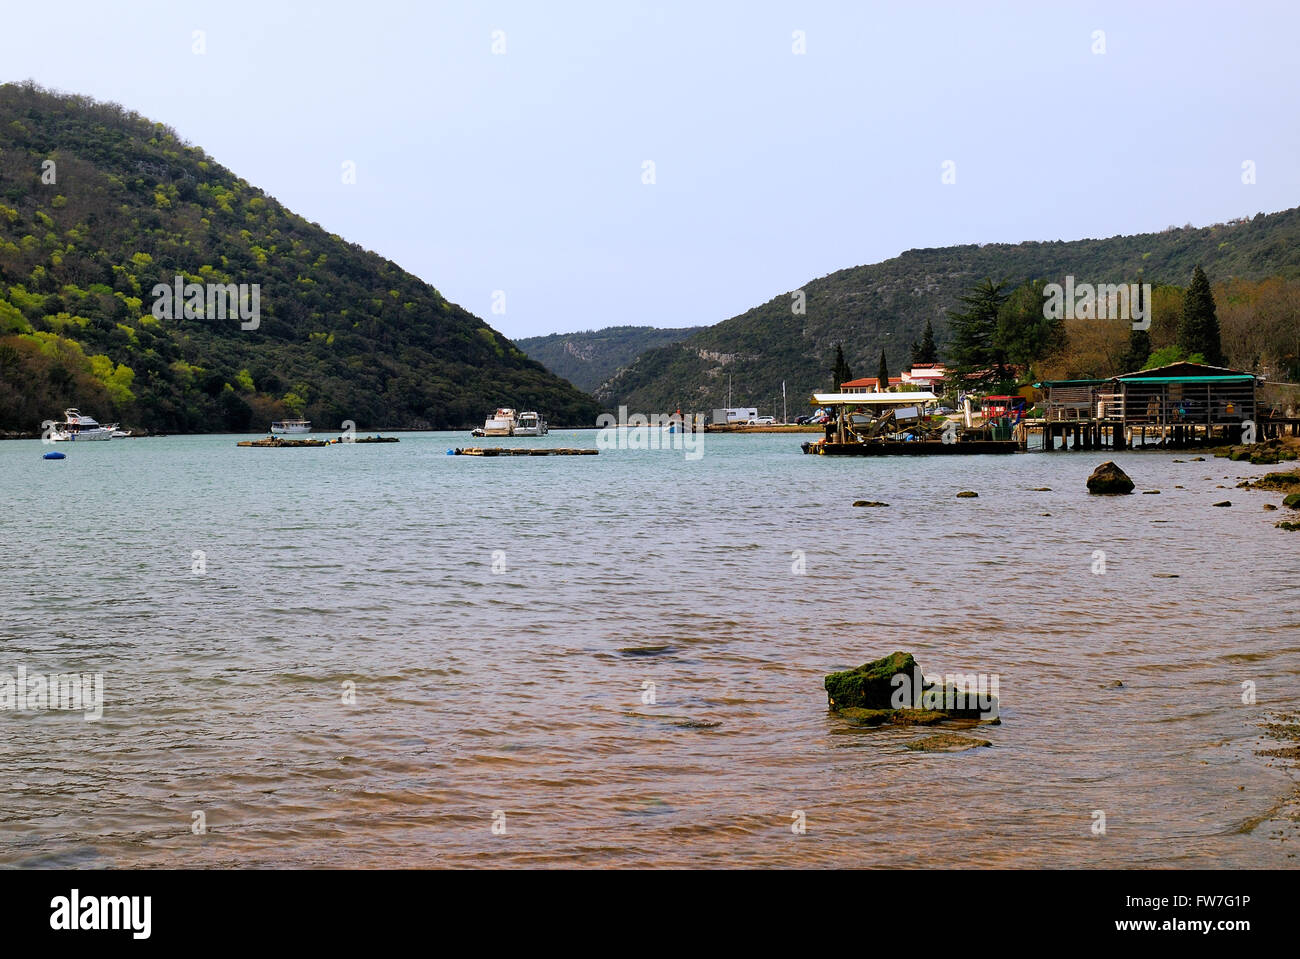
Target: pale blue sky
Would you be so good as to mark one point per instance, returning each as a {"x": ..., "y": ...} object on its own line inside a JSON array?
[{"x": 523, "y": 171}]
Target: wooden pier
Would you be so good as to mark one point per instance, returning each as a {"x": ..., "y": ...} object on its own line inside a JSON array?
[{"x": 1174, "y": 407}]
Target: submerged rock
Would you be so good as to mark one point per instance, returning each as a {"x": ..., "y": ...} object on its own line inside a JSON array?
[
  {"x": 893, "y": 690},
  {"x": 1269, "y": 507},
  {"x": 1287, "y": 524},
  {"x": 869, "y": 502},
  {"x": 967, "y": 494},
  {"x": 1108, "y": 479},
  {"x": 946, "y": 743}
]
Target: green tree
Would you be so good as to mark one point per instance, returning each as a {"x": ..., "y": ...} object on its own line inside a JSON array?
[
  {"x": 977, "y": 358},
  {"x": 1025, "y": 334},
  {"x": 1198, "y": 329},
  {"x": 840, "y": 372},
  {"x": 927, "y": 352},
  {"x": 882, "y": 373}
]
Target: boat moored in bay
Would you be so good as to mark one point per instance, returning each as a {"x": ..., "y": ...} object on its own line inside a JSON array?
[{"x": 77, "y": 427}]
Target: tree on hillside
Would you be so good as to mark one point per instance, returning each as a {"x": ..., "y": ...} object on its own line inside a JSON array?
[
  {"x": 882, "y": 373},
  {"x": 1198, "y": 330},
  {"x": 977, "y": 357},
  {"x": 1024, "y": 332},
  {"x": 927, "y": 352},
  {"x": 840, "y": 372}
]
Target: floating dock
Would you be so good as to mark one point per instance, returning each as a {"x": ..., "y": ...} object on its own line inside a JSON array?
[
  {"x": 277, "y": 442},
  {"x": 518, "y": 451}
]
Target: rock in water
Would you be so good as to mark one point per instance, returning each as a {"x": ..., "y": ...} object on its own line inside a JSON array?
[
  {"x": 946, "y": 743},
  {"x": 869, "y": 502},
  {"x": 1108, "y": 479},
  {"x": 967, "y": 494},
  {"x": 871, "y": 685},
  {"x": 1292, "y": 501}
]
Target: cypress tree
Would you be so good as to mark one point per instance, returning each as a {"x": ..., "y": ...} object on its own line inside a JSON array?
[
  {"x": 1198, "y": 329},
  {"x": 882, "y": 373},
  {"x": 840, "y": 372}
]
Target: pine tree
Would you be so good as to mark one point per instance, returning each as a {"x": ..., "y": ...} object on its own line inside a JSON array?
[
  {"x": 882, "y": 373},
  {"x": 927, "y": 352},
  {"x": 977, "y": 358},
  {"x": 1198, "y": 330}
]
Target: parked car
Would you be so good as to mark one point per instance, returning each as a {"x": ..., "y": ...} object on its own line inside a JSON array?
[{"x": 765, "y": 421}]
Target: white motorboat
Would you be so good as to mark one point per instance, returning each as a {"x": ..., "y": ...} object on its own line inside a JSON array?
[
  {"x": 77, "y": 427},
  {"x": 119, "y": 434},
  {"x": 500, "y": 423},
  {"x": 290, "y": 427},
  {"x": 530, "y": 424}
]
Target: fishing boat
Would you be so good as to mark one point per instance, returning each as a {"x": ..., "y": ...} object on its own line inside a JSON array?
[
  {"x": 530, "y": 424},
  {"x": 77, "y": 427},
  {"x": 500, "y": 423},
  {"x": 897, "y": 424},
  {"x": 290, "y": 427}
]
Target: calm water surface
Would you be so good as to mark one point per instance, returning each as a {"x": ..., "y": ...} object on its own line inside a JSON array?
[{"x": 518, "y": 687}]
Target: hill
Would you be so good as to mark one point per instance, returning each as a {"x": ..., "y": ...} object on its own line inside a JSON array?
[
  {"x": 886, "y": 305},
  {"x": 589, "y": 358},
  {"x": 98, "y": 206}
]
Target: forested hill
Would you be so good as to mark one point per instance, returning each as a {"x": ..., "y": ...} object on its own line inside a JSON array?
[
  {"x": 885, "y": 306},
  {"x": 590, "y": 358},
  {"x": 98, "y": 205}
]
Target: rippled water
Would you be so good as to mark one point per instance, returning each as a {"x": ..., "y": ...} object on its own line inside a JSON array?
[{"x": 520, "y": 691}]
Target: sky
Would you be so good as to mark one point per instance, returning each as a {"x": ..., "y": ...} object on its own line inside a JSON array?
[{"x": 564, "y": 166}]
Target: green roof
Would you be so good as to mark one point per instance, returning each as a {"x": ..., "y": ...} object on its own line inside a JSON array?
[{"x": 1186, "y": 379}]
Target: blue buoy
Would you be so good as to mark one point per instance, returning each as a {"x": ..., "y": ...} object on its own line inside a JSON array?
[
  {"x": 55, "y": 455},
  {"x": 451, "y": 452}
]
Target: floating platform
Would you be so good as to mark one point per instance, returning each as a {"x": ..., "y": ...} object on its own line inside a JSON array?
[
  {"x": 275, "y": 441},
  {"x": 373, "y": 439},
  {"x": 917, "y": 448},
  {"x": 518, "y": 451}
]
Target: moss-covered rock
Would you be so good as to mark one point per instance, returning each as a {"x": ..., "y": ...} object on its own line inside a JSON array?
[
  {"x": 1288, "y": 525},
  {"x": 869, "y": 502},
  {"x": 892, "y": 717},
  {"x": 1292, "y": 501},
  {"x": 1108, "y": 480},
  {"x": 871, "y": 685},
  {"x": 967, "y": 494}
]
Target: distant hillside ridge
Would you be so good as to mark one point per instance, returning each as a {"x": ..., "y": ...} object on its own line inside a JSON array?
[
  {"x": 592, "y": 357},
  {"x": 886, "y": 305}
]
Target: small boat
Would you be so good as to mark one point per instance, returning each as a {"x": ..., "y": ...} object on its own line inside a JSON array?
[
  {"x": 77, "y": 427},
  {"x": 119, "y": 434},
  {"x": 55, "y": 455},
  {"x": 290, "y": 427},
  {"x": 500, "y": 423},
  {"x": 530, "y": 424}
]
